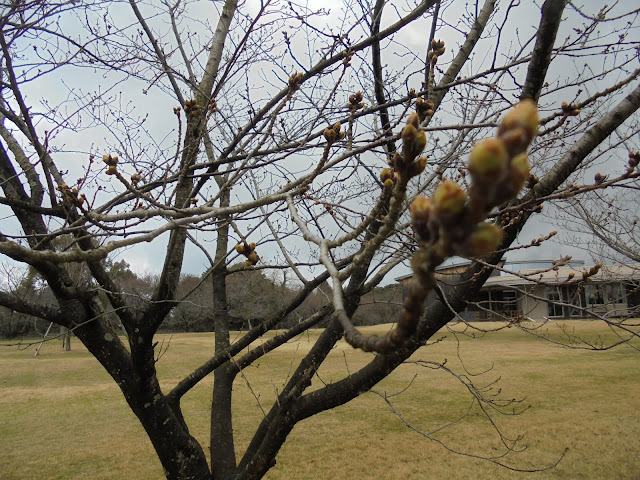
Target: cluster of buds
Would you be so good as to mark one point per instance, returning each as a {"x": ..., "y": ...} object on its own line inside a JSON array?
[
  {"x": 136, "y": 178},
  {"x": 409, "y": 163},
  {"x": 499, "y": 168},
  {"x": 424, "y": 108},
  {"x": 355, "y": 101},
  {"x": 334, "y": 133},
  {"x": 437, "y": 50},
  {"x": 191, "y": 107},
  {"x": 592, "y": 271},
  {"x": 295, "y": 80},
  {"x": 634, "y": 159},
  {"x": 112, "y": 164},
  {"x": 71, "y": 195},
  {"x": 249, "y": 251},
  {"x": 213, "y": 106},
  {"x": 570, "y": 109}
]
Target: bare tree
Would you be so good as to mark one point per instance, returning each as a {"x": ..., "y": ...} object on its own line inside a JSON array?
[{"x": 257, "y": 142}]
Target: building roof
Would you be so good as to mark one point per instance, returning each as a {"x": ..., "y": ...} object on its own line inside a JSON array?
[
  {"x": 559, "y": 275},
  {"x": 608, "y": 273}
]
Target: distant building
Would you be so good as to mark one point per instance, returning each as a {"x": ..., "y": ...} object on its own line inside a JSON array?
[{"x": 535, "y": 292}]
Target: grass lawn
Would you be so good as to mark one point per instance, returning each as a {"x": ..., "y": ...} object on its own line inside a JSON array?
[{"x": 62, "y": 417}]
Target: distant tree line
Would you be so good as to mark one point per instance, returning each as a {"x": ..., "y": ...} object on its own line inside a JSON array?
[{"x": 253, "y": 296}]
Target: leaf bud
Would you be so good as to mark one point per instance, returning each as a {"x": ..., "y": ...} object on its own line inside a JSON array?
[
  {"x": 253, "y": 258},
  {"x": 240, "y": 248},
  {"x": 388, "y": 184},
  {"x": 449, "y": 198},
  {"x": 252, "y": 246},
  {"x": 488, "y": 159},
  {"x": 485, "y": 239},
  {"x": 111, "y": 170},
  {"x": 385, "y": 174}
]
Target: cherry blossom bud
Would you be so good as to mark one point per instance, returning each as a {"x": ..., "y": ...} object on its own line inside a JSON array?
[
  {"x": 409, "y": 133},
  {"x": 523, "y": 118},
  {"x": 488, "y": 159},
  {"x": 418, "y": 166},
  {"x": 420, "y": 208},
  {"x": 485, "y": 239},
  {"x": 519, "y": 171},
  {"x": 449, "y": 198}
]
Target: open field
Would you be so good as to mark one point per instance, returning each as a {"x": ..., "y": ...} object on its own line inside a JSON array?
[{"x": 62, "y": 417}]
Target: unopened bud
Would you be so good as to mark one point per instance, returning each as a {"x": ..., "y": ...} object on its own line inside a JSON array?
[
  {"x": 488, "y": 158},
  {"x": 523, "y": 116},
  {"x": 240, "y": 248},
  {"x": 409, "y": 133},
  {"x": 385, "y": 174},
  {"x": 420, "y": 208},
  {"x": 485, "y": 239},
  {"x": 519, "y": 171},
  {"x": 414, "y": 120},
  {"x": 418, "y": 166},
  {"x": 419, "y": 143},
  {"x": 449, "y": 198},
  {"x": 329, "y": 135}
]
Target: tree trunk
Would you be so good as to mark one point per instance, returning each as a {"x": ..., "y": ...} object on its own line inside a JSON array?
[{"x": 66, "y": 338}]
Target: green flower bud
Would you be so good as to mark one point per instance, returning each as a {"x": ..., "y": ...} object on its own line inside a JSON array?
[
  {"x": 449, "y": 198},
  {"x": 409, "y": 133},
  {"x": 523, "y": 116},
  {"x": 519, "y": 171},
  {"x": 419, "y": 143},
  {"x": 418, "y": 166},
  {"x": 484, "y": 240},
  {"x": 488, "y": 159},
  {"x": 420, "y": 208}
]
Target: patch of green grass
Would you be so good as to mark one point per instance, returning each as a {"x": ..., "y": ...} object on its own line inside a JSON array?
[{"x": 62, "y": 417}]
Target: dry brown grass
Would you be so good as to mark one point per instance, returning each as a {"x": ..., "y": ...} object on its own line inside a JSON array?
[{"x": 61, "y": 416}]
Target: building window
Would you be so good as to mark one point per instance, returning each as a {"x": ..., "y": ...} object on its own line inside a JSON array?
[
  {"x": 595, "y": 294},
  {"x": 553, "y": 297}
]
